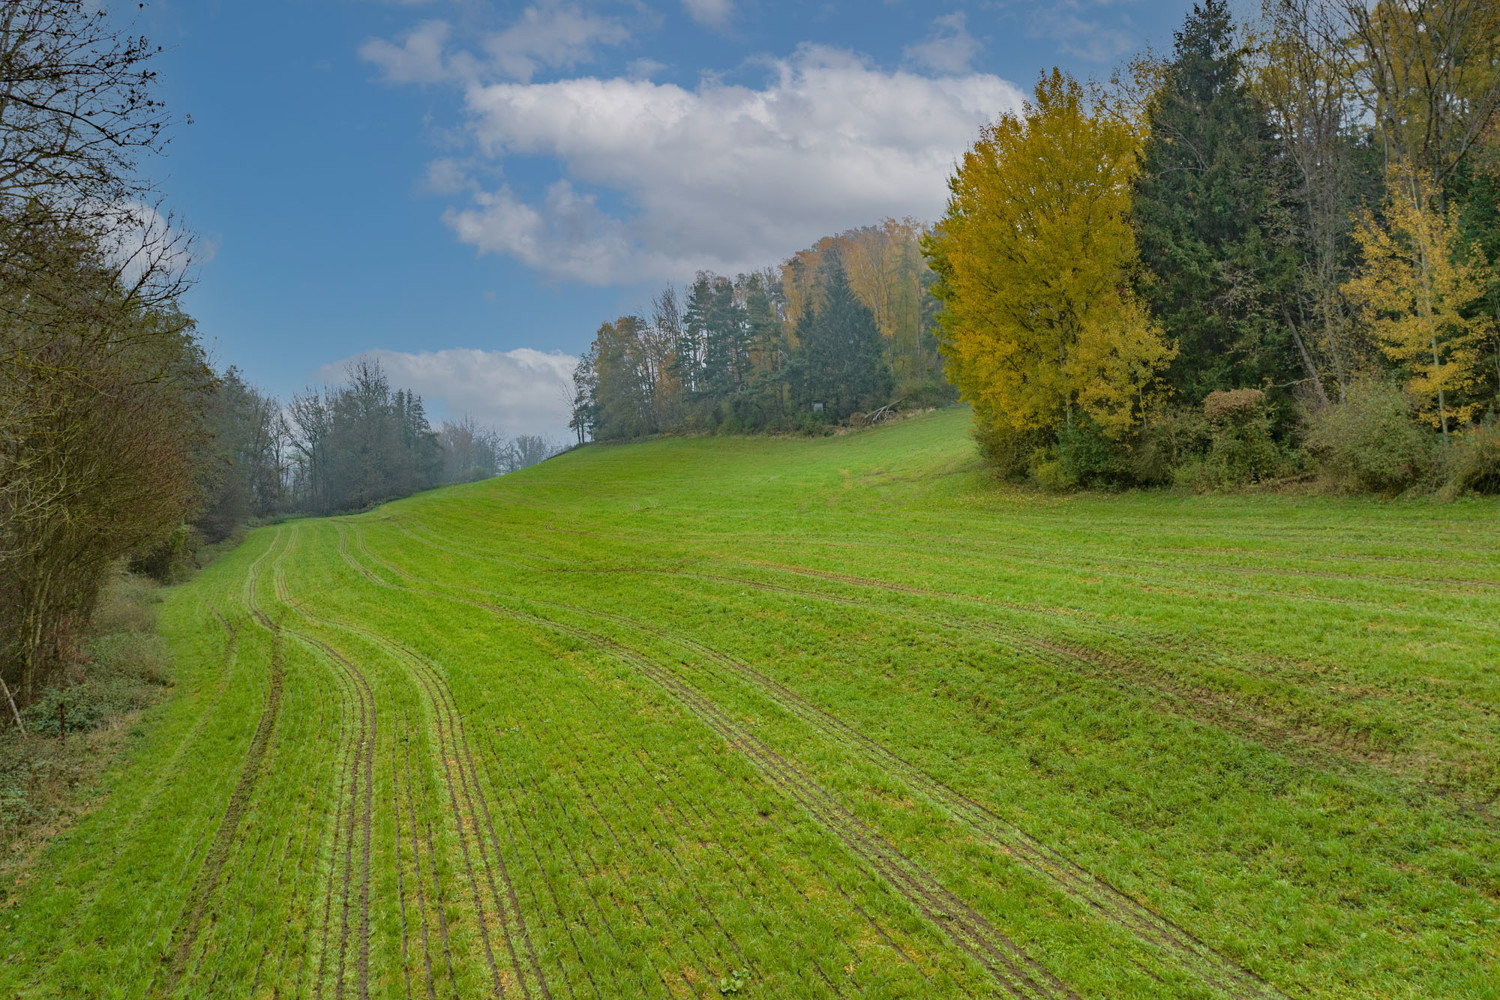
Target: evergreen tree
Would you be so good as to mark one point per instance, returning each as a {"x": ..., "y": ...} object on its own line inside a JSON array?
[
  {"x": 1209, "y": 220},
  {"x": 841, "y": 352}
]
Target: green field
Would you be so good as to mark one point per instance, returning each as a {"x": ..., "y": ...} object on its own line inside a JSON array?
[{"x": 805, "y": 718}]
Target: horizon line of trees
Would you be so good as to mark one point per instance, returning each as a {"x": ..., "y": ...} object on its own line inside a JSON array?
[
  {"x": 1274, "y": 252},
  {"x": 837, "y": 330},
  {"x": 341, "y": 448}
]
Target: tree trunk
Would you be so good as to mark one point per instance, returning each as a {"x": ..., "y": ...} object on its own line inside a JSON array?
[
  {"x": 1442, "y": 401},
  {"x": 14, "y": 711}
]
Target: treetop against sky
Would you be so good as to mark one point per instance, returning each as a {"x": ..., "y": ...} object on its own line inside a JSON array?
[{"x": 467, "y": 185}]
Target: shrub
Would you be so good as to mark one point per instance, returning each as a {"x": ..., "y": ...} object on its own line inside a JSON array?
[
  {"x": 1371, "y": 443},
  {"x": 1052, "y": 475},
  {"x": 1473, "y": 463},
  {"x": 1089, "y": 458},
  {"x": 1171, "y": 438},
  {"x": 1007, "y": 449},
  {"x": 1241, "y": 449}
]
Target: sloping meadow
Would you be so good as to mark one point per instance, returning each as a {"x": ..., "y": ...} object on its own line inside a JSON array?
[{"x": 805, "y": 718}]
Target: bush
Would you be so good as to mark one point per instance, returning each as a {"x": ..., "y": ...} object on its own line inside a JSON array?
[
  {"x": 1089, "y": 458},
  {"x": 1372, "y": 443},
  {"x": 1052, "y": 475},
  {"x": 1171, "y": 438},
  {"x": 1473, "y": 464},
  {"x": 1241, "y": 450},
  {"x": 1007, "y": 449}
]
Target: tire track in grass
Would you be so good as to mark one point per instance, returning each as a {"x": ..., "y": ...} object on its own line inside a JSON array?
[
  {"x": 453, "y": 737},
  {"x": 206, "y": 884},
  {"x": 1007, "y": 964},
  {"x": 1077, "y": 882},
  {"x": 437, "y": 899},
  {"x": 426, "y": 673},
  {"x": 746, "y": 877},
  {"x": 530, "y": 841},
  {"x": 880, "y": 931},
  {"x": 400, "y": 865},
  {"x": 423, "y": 666},
  {"x": 262, "y": 863},
  {"x": 1132, "y": 675},
  {"x": 424, "y": 670},
  {"x": 294, "y": 897},
  {"x": 578, "y": 872},
  {"x": 229, "y": 662},
  {"x": 361, "y": 806},
  {"x": 595, "y": 867},
  {"x": 704, "y": 823},
  {"x": 1202, "y": 960}
]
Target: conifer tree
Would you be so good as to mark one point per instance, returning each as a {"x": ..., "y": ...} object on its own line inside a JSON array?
[
  {"x": 841, "y": 350},
  {"x": 1208, "y": 217}
]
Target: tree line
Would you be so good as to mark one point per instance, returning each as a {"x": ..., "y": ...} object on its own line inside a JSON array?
[
  {"x": 118, "y": 440},
  {"x": 838, "y": 330},
  {"x": 338, "y": 448},
  {"x": 1268, "y": 255}
]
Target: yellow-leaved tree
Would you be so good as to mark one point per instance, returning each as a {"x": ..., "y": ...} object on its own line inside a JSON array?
[
  {"x": 1034, "y": 260},
  {"x": 1415, "y": 290}
]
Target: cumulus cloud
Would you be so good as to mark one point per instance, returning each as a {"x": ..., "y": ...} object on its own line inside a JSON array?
[
  {"x": 710, "y": 13},
  {"x": 723, "y": 176},
  {"x": 948, "y": 48},
  {"x": 516, "y": 392},
  {"x": 550, "y": 35}
]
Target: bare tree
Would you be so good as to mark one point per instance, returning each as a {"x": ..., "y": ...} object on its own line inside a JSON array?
[
  {"x": 1427, "y": 75},
  {"x": 77, "y": 111}
]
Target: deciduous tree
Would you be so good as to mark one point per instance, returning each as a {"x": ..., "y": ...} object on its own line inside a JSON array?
[{"x": 1035, "y": 259}]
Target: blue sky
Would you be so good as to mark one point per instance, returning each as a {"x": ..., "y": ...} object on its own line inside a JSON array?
[{"x": 469, "y": 188}]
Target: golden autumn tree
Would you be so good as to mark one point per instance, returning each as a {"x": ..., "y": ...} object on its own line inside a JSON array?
[
  {"x": 1034, "y": 260},
  {"x": 1415, "y": 289}
]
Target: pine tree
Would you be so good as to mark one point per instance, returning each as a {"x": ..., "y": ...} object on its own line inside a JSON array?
[
  {"x": 1209, "y": 219},
  {"x": 841, "y": 351}
]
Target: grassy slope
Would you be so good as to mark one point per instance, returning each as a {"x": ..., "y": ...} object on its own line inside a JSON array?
[{"x": 841, "y": 713}]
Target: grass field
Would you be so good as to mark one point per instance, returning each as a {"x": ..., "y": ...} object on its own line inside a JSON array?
[{"x": 836, "y": 717}]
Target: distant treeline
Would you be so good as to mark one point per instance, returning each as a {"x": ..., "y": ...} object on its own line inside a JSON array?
[
  {"x": 840, "y": 329},
  {"x": 1274, "y": 253},
  {"x": 340, "y": 448}
]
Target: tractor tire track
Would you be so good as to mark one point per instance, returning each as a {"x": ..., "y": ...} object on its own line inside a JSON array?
[
  {"x": 1074, "y": 880},
  {"x": 452, "y": 737},
  {"x": 1006, "y": 963},
  {"x": 1218, "y": 971},
  {"x": 361, "y": 793},
  {"x": 206, "y": 884},
  {"x": 705, "y": 823}
]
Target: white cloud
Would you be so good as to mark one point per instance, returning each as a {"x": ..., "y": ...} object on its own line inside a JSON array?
[
  {"x": 1075, "y": 36},
  {"x": 948, "y": 48},
  {"x": 550, "y": 35},
  {"x": 710, "y": 13},
  {"x": 418, "y": 59},
  {"x": 723, "y": 177},
  {"x": 516, "y": 392}
]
